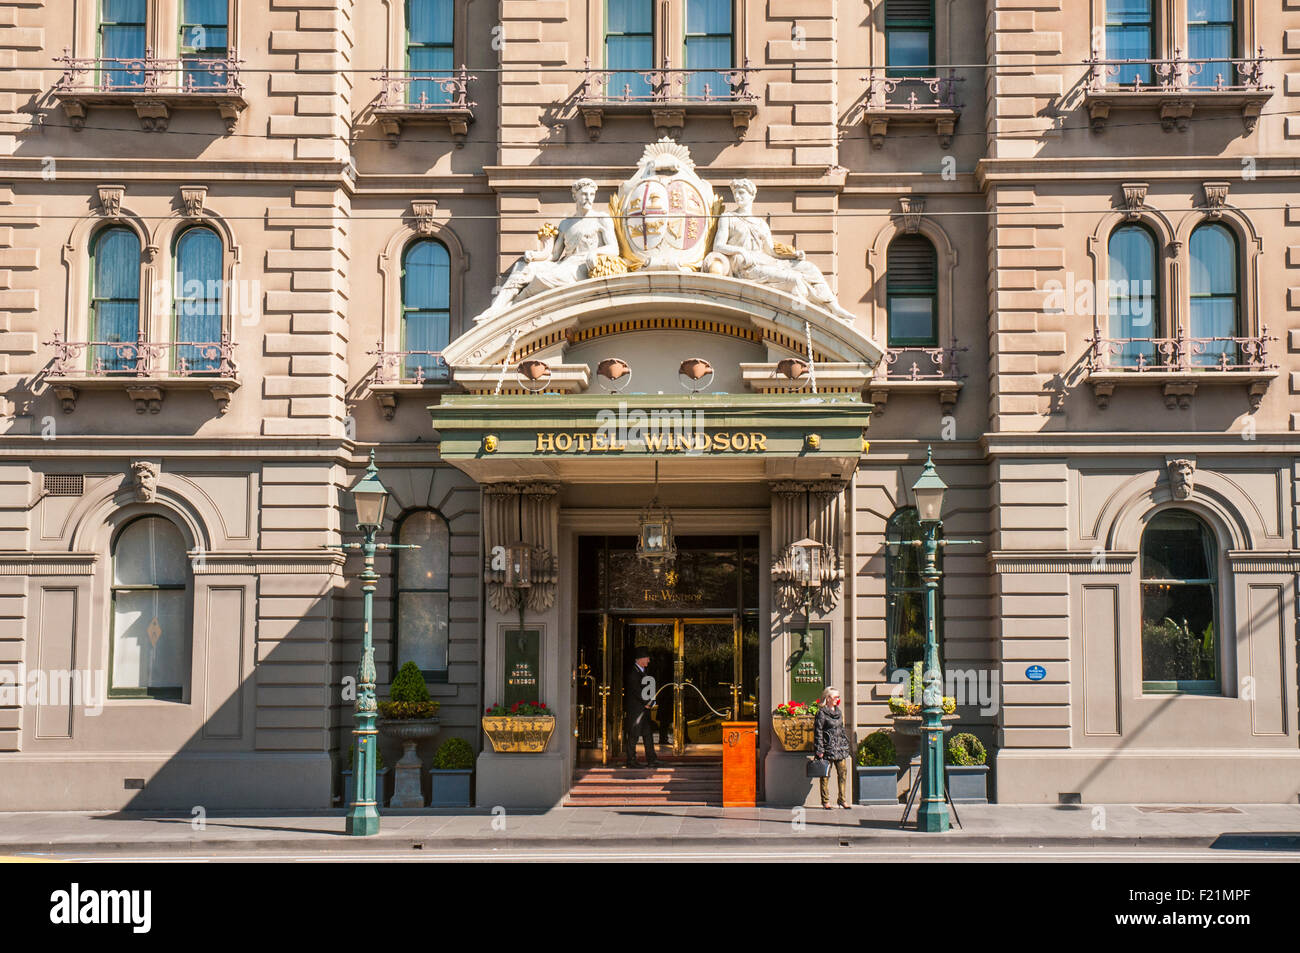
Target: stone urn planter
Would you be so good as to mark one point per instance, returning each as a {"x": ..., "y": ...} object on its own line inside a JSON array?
[
  {"x": 519, "y": 734},
  {"x": 410, "y": 732},
  {"x": 910, "y": 725},
  {"x": 794, "y": 734}
]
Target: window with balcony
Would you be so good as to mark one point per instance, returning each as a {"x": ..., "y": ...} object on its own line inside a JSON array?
[
  {"x": 910, "y": 88},
  {"x": 909, "y": 38},
  {"x": 114, "y": 301},
  {"x": 124, "y": 71},
  {"x": 1211, "y": 41},
  {"x": 426, "y": 310},
  {"x": 913, "y": 292},
  {"x": 1215, "y": 306},
  {"x": 149, "y": 644},
  {"x": 422, "y": 593},
  {"x": 428, "y": 88},
  {"x": 698, "y": 74},
  {"x": 430, "y": 45},
  {"x": 196, "y": 310},
  {"x": 1180, "y": 603},
  {"x": 1133, "y": 294},
  {"x": 1130, "y": 35}
]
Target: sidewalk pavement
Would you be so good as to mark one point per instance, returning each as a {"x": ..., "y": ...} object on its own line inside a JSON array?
[{"x": 1240, "y": 827}]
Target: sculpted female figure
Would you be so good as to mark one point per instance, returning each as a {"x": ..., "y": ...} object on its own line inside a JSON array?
[
  {"x": 747, "y": 241},
  {"x": 567, "y": 255}
]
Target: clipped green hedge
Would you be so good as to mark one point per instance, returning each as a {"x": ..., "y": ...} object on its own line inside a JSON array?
[
  {"x": 877, "y": 751},
  {"x": 454, "y": 754},
  {"x": 966, "y": 750},
  {"x": 408, "y": 685}
]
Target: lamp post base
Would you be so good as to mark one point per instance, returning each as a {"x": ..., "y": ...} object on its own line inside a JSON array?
[
  {"x": 363, "y": 821},
  {"x": 933, "y": 818}
]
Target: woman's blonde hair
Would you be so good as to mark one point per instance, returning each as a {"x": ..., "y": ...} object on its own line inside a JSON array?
[{"x": 825, "y": 700}]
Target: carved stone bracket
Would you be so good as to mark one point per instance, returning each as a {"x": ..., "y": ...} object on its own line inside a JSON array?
[
  {"x": 423, "y": 211},
  {"x": 1135, "y": 197},
  {"x": 525, "y": 513},
  {"x": 110, "y": 200},
  {"x": 193, "y": 198},
  {"x": 911, "y": 211},
  {"x": 812, "y": 509},
  {"x": 1216, "y": 197}
]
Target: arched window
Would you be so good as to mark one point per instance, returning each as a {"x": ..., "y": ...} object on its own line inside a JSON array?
[
  {"x": 204, "y": 41},
  {"x": 1133, "y": 292},
  {"x": 422, "y": 593},
  {"x": 1180, "y": 642},
  {"x": 629, "y": 47},
  {"x": 122, "y": 37},
  {"x": 1130, "y": 35},
  {"x": 150, "y": 642},
  {"x": 1215, "y": 304},
  {"x": 905, "y": 592},
  {"x": 912, "y": 283},
  {"x": 909, "y": 38},
  {"x": 1211, "y": 36},
  {"x": 197, "y": 307},
  {"x": 708, "y": 47},
  {"x": 426, "y": 307},
  {"x": 114, "y": 299},
  {"x": 430, "y": 48}
]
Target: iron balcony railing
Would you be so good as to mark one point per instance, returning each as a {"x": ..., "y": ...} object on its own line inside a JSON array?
[
  {"x": 188, "y": 75},
  {"x": 911, "y": 92},
  {"x": 1180, "y": 354},
  {"x": 921, "y": 364},
  {"x": 408, "y": 367},
  {"x": 665, "y": 86},
  {"x": 1177, "y": 75},
  {"x": 422, "y": 91},
  {"x": 141, "y": 358}
]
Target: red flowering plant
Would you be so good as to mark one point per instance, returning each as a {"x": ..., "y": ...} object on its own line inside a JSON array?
[
  {"x": 518, "y": 710},
  {"x": 793, "y": 709}
]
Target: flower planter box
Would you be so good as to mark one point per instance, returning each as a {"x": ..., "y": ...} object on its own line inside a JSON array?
[
  {"x": 348, "y": 787},
  {"x": 878, "y": 785},
  {"x": 968, "y": 783},
  {"x": 450, "y": 787},
  {"x": 528, "y": 734},
  {"x": 910, "y": 725},
  {"x": 794, "y": 734}
]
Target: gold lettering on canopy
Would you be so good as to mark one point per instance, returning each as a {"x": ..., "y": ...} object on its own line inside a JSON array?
[{"x": 586, "y": 443}]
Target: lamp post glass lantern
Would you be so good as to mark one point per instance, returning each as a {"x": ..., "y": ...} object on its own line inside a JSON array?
[{"x": 929, "y": 490}]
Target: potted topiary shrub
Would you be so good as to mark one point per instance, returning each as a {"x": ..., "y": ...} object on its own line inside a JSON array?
[
  {"x": 349, "y": 785},
  {"x": 453, "y": 765},
  {"x": 968, "y": 775},
  {"x": 792, "y": 723},
  {"x": 409, "y": 716},
  {"x": 523, "y": 728},
  {"x": 877, "y": 769}
]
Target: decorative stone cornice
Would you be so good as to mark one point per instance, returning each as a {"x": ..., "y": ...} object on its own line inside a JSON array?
[
  {"x": 1010, "y": 561},
  {"x": 1282, "y": 561},
  {"x": 254, "y": 563},
  {"x": 48, "y": 564}
]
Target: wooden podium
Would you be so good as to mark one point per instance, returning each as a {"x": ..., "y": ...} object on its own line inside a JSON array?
[{"x": 739, "y": 763}]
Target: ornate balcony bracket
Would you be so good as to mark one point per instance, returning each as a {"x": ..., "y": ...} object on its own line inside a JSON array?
[
  {"x": 404, "y": 98},
  {"x": 406, "y": 372},
  {"x": 910, "y": 100},
  {"x": 666, "y": 97},
  {"x": 1172, "y": 91},
  {"x": 153, "y": 87},
  {"x": 916, "y": 371},
  {"x": 1180, "y": 366},
  {"x": 141, "y": 370}
]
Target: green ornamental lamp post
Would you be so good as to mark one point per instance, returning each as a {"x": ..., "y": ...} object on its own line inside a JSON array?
[
  {"x": 933, "y": 814},
  {"x": 370, "y": 499}
]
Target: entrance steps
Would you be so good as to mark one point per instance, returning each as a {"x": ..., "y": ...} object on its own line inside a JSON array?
[{"x": 683, "y": 783}]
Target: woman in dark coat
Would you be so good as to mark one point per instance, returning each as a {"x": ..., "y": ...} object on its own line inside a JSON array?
[{"x": 831, "y": 742}]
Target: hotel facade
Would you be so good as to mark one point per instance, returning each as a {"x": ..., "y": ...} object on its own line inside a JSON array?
[{"x": 507, "y": 247}]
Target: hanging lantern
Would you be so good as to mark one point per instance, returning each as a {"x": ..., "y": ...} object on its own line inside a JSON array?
[
  {"x": 806, "y": 563},
  {"x": 519, "y": 567},
  {"x": 655, "y": 544}
]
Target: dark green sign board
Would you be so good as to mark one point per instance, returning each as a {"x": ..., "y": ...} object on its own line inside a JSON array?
[
  {"x": 523, "y": 652},
  {"x": 807, "y": 662}
]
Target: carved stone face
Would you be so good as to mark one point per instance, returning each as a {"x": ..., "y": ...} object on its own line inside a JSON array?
[
  {"x": 1182, "y": 474},
  {"x": 743, "y": 192},
  {"x": 146, "y": 480},
  {"x": 584, "y": 194}
]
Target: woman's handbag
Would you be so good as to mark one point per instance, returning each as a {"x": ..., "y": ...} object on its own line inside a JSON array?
[{"x": 817, "y": 768}]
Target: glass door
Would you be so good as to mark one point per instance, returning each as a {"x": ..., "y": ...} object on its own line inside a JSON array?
[{"x": 711, "y": 681}]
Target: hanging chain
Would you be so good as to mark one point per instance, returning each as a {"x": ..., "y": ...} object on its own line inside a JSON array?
[
  {"x": 812, "y": 368},
  {"x": 505, "y": 365}
]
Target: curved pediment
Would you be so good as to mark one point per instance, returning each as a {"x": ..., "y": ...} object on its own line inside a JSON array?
[{"x": 778, "y": 324}]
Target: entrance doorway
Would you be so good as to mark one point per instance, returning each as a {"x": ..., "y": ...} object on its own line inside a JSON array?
[{"x": 704, "y": 659}]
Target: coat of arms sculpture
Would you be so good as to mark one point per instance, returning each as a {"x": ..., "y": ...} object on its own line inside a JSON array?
[{"x": 665, "y": 215}]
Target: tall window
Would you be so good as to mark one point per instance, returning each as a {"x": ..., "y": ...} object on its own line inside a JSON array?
[
  {"x": 708, "y": 47},
  {"x": 151, "y": 633},
  {"x": 1180, "y": 643},
  {"x": 1134, "y": 302},
  {"x": 1130, "y": 35},
  {"x": 422, "y": 593},
  {"x": 912, "y": 287},
  {"x": 426, "y": 306},
  {"x": 122, "y": 37},
  {"x": 905, "y": 592},
  {"x": 114, "y": 298},
  {"x": 1210, "y": 36},
  {"x": 1215, "y": 305},
  {"x": 909, "y": 38},
  {"x": 629, "y": 46},
  {"x": 429, "y": 48},
  {"x": 204, "y": 37},
  {"x": 197, "y": 310}
]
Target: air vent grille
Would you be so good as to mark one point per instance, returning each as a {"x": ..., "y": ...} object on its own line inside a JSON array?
[{"x": 64, "y": 484}]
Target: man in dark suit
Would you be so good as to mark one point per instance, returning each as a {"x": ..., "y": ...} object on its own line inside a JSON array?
[{"x": 638, "y": 701}]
